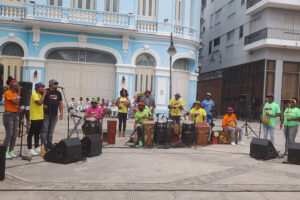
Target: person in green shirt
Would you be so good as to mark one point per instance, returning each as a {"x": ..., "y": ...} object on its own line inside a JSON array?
[
  {"x": 270, "y": 111},
  {"x": 141, "y": 116},
  {"x": 290, "y": 119}
]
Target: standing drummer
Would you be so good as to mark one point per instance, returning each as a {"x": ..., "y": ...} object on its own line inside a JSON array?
[
  {"x": 198, "y": 114},
  {"x": 143, "y": 115},
  {"x": 176, "y": 106},
  {"x": 94, "y": 111}
]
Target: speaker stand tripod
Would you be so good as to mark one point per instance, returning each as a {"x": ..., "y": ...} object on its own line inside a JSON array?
[
  {"x": 69, "y": 112},
  {"x": 21, "y": 134},
  {"x": 246, "y": 126}
]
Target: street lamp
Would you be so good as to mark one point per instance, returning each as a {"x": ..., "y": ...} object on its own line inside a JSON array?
[
  {"x": 212, "y": 59},
  {"x": 171, "y": 51}
]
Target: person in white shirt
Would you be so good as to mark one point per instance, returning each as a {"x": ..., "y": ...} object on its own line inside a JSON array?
[
  {"x": 72, "y": 103},
  {"x": 80, "y": 105},
  {"x": 114, "y": 110}
]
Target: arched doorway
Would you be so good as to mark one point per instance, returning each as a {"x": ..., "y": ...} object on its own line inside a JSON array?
[
  {"x": 180, "y": 79},
  {"x": 82, "y": 72},
  {"x": 145, "y": 73},
  {"x": 12, "y": 62}
]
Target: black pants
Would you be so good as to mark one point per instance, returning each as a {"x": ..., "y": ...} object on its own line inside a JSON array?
[
  {"x": 122, "y": 120},
  {"x": 140, "y": 133},
  {"x": 35, "y": 129},
  {"x": 176, "y": 119}
]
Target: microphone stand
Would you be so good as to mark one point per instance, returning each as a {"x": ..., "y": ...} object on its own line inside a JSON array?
[{"x": 69, "y": 111}]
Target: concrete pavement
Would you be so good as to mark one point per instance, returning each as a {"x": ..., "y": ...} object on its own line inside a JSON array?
[{"x": 121, "y": 172}]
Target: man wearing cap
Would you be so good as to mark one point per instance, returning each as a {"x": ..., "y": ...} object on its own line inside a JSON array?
[
  {"x": 229, "y": 124},
  {"x": 141, "y": 116},
  {"x": 208, "y": 104},
  {"x": 52, "y": 103},
  {"x": 36, "y": 117},
  {"x": 290, "y": 119},
  {"x": 94, "y": 111},
  {"x": 270, "y": 111},
  {"x": 149, "y": 101},
  {"x": 197, "y": 114},
  {"x": 176, "y": 105}
]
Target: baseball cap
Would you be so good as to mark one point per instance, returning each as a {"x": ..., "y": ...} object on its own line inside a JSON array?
[
  {"x": 141, "y": 104},
  {"x": 53, "y": 81},
  {"x": 208, "y": 94},
  {"x": 94, "y": 101},
  {"x": 39, "y": 84},
  {"x": 198, "y": 102},
  {"x": 270, "y": 95},
  {"x": 177, "y": 95},
  {"x": 230, "y": 110}
]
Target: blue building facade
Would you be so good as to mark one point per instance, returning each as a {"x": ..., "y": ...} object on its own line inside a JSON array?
[{"x": 96, "y": 47}]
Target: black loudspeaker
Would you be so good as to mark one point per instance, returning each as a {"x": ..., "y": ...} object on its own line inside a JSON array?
[
  {"x": 66, "y": 151},
  {"x": 2, "y": 162},
  {"x": 26, "y": 93},
  {"x": 294, "y": 153},
  {"x": 91, "y": 145},
  {"x": 262, "y": 149}
]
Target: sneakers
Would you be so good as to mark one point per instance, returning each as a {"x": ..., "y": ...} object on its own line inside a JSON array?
[
  {"x": 11, "y": 154},
  {"x": 241, "y": 143},
  {"x": 7, "y": 156},
  {"x": 32, "y": 152},
  {"x": 37, "y": 150},
  {"x": 140, "y": 143},
  {"x": 233, "y": 143}
]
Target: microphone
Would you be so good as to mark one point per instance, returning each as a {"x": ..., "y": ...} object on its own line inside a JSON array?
[{"x": 60, "y": 87}]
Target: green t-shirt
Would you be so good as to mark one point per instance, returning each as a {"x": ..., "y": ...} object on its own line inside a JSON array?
[
  {"x": 139, "y": 114},
  {"x": 291, "y": 113},
  {"x": 272, "y": 109}
]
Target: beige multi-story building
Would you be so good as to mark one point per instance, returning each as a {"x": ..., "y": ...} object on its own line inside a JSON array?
[{"x": 250, "y": 47}]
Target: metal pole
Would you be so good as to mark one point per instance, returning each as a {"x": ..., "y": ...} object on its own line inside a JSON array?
[{"x": 170, "y": 77}]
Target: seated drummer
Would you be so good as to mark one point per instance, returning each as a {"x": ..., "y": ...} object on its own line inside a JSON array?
[
  {"x": 143, "y": 115},
  {"x": 94, "y": 111},
  {"x": 229, "y": 124},
  {"x": 197, "y": 114}
]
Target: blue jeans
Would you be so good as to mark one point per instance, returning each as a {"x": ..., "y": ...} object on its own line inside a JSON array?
[{"x": 268, "y": 129}]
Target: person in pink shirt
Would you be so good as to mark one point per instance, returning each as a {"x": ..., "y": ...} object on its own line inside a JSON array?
[{"x": 94, "y": 111}]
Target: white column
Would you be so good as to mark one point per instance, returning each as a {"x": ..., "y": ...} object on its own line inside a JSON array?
[{"x": 278, "y": 81}]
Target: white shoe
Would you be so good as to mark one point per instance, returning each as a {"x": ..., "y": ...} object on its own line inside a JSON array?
[
  {"x": 37, "y": 150},
  {"x": 241, "y": 143},
  {"x": 32, "y": 152},
  {"x": 233, "y": 143}
]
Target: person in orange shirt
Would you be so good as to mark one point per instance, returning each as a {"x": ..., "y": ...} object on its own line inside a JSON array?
[
  {"x": 11, "y": 115},
  {"x": 229, "y": 124}
]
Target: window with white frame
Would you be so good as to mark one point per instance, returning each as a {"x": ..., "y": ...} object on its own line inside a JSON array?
[
  {"x": 55, "y": 2},
  {"x": 111, "y": 5},
  {"x": 147, "y": 9},
  {"x": 84, "y": 4},
  {"x": 182, "y": 64},
  {"x": 178, "y": 12}
]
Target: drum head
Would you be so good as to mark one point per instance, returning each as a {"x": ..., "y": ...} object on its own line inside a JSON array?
[
  {"x": 148, "y": 122},
  {"x": 91, "y": 119},
  {"x": 187, "y": 122}
]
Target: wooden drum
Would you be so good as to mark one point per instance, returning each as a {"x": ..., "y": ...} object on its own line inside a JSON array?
[
  {"x": 203, "y": 129},
  {"x": 148, "y": 130},
  {"x": 111, "y": 131}
]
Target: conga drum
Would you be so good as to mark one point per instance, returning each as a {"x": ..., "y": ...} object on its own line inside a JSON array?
[
  {"x": 170, "y": 131},
  {"x": 148, "y": 131},
  {"x": 203, "y": 130},
  {"x": 161, "y": 131},
  {"x": 111, "y": 130},
  {"x": 176, "y": 132},
  {"x": 188, "y": 133},
  {"x": 90, "y": 126}
]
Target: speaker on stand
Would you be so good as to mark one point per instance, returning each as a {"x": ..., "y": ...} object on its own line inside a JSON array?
[{"x": 25, "y": 93}]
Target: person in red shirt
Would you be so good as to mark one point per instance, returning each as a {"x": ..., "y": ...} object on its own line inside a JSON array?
[
  {"x": 11, "y": 115},
  {"x": 229, "y": 124}
]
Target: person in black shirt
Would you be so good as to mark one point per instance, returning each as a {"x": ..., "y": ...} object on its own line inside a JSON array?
[{"x": 52, "y": 103}]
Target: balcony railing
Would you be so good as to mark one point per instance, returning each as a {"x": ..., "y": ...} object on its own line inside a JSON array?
[
  {"x": 47, "y": 12},
  {"x": 178, "y": 30},
  {"x": 274, "y": 33},
  {"x": 12, "y": 12},
  {"x": 147, "y": 25},
  {"x": 81, "y": 15},
  {"x": 251, "y": 3},
  {"x": 116, "y": 19}
]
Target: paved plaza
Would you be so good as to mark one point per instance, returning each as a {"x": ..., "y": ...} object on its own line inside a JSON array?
[{"x": 122, "y": 172}]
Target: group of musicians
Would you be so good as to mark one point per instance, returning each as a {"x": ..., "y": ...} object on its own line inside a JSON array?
[{"x": 43, "y": 115}]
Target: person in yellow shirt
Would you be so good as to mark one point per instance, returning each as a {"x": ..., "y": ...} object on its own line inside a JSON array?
[
  {"x": 123, "y": 104},
  {"x": 198, "y": 114},
  {"x": 36, "y": 117},
  {"x": 176, "y": 106}
]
